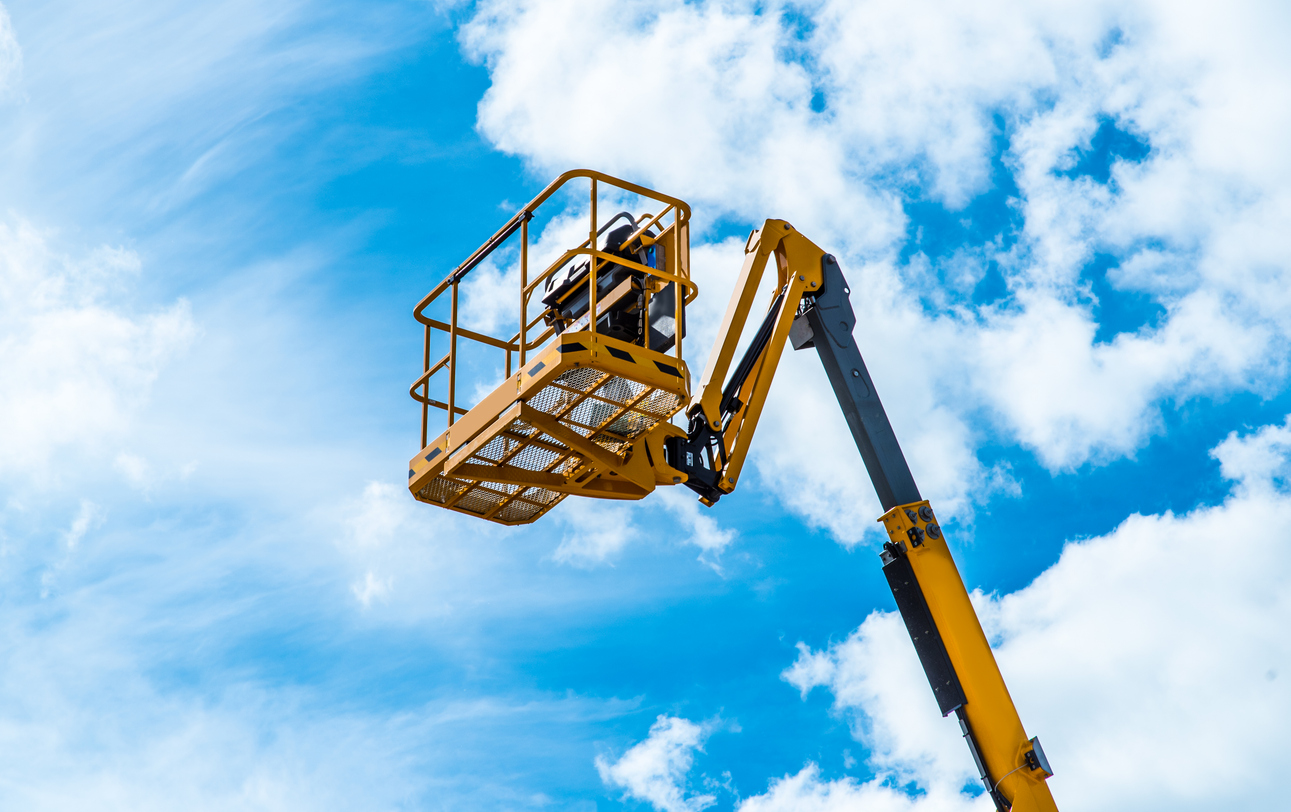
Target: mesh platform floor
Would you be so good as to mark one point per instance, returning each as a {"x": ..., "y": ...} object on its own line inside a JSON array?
[{"x": 610, "y": 410}]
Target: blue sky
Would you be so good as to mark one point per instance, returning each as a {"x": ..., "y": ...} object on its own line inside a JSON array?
[{"x": 1064, "y": 227}]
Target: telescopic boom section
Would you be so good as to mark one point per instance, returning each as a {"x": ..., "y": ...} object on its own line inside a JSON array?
[{"x": 812, "y": 308}]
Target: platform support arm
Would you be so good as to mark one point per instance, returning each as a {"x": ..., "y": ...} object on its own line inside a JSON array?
[{"x": 725, "y": 414}]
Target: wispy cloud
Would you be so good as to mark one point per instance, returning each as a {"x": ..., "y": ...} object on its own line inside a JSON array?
[
  {"x": 149, "y": 106},
  {"x": 217, "y": 593},
  {"x": 1159, "y": 643},
  {"x": 655, "y": 769},
  {"x": 840, "y": 115},
  {"x": 10, "y": 56},
  {"x": 78, "y": 365}
]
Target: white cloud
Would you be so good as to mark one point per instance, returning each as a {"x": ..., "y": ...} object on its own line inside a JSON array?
[
  {"x": 596, "y": 531},
  {"x": 875, "y": 671},
  {"x": 699, "y": 526},
  {"x": 1149, "y": 661},
  {"x": 142, "y": 681},
  {"x": 718, "y": 115},
  {"x": 806, "y": 791},
  {"x": 10, "y": 56},
  {"x": 655, "y": 769},
  {"x": 88, "y": 516},
  {"x": 126, "y": 119},
  {"x": 77, "y": 367},
  {"x": 183, "y": 755},
  {"x": 371, "y": 588},
  {"x": 380, "y": 514},
  {"x": 1258, "y": 462},
  {"x": 424, "y": 560},
  {"x": 915, "y": 96}
]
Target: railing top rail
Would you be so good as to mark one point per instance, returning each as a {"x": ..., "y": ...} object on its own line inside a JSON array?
[
  {"x": 526, "y": 213},
  {"x": 583, "y": 250}
]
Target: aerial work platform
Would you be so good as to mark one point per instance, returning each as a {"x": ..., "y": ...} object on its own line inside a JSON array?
[
  {"x": 579, "y": 413},
  {"x": 588, "y": 410}
]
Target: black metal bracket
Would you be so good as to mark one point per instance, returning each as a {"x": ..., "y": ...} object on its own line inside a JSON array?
[
  {"x": 695, "y": 456},
  {"x": 826, "y": 324},
  {"x": 923, "y": 630},
  {"x": 702, "y": 453}
]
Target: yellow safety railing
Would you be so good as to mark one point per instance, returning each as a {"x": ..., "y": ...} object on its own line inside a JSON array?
[{"x": 673, "y": 235}]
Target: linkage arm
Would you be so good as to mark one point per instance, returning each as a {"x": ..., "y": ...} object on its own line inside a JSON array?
[{"x": 725, "y": 416}]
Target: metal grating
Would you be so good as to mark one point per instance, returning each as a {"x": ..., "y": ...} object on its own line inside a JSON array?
[
  {"x": 519, "y": 511},
  {"x": 592, "y": 413},
  {"x": 542, "y": 495},
  {"x": 442, "y": 490},
  {"x": 614, "y": 444},
  {"x": 582, "y": 379},
  {"x": 535, "y": 458},
  {"x": 554, "y": 398},
  {"x": 619, "y": 390},
  {"x": 479, "y": 499},
  {"x": 631, "y": 424},
  {"x": 611, "y": 410},
  {"x": 659, "y": 403}
]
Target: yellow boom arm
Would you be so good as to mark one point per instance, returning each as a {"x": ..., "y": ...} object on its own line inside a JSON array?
[{"x": 812, "y": 308}]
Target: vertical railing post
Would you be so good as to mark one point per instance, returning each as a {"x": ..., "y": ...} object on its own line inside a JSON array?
[
  {"x": 678, "y": 301},
  {"x": 518, "y": 351},
  {"x": 647, "y": 288},
  {"x": 452, "y": 358},
  {"x": 425, "y": 407},
  {"x": 524, "y": 294},
  {"x": 591, "y": 276}
]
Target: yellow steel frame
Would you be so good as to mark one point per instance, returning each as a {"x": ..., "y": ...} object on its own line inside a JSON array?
[
  {"x": 478, "y": 465},
  {"x": 990, "y": 711},
  {"x": 674, "y": 235},
  {"x": 518, "y": 419},
  {"x": 797, "y": 272},
  {"x": 510, "y": 461}
]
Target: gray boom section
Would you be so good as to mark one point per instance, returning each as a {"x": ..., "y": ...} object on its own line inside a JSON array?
[
  {"x": 828, "y": 327},
  {"x": 826, "y": 323}
]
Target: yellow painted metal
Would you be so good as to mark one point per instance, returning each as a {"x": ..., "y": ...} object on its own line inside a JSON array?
[
  {"x": 524, "y": 284},
  {"x": 737, "y": 313},
  {"x": 671, "y": 216},
  {"x": 797, "y": 271},
  {"x": 991, "y": 714},
  {"x": 578, "y": 420},
  {"x": 533, "y": 440}
]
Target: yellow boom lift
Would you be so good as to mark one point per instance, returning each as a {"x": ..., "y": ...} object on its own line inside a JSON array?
[{"x": 587, "y": 403}]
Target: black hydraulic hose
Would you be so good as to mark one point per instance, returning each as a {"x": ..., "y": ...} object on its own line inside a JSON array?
[{"x": 751, "y": 355}]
